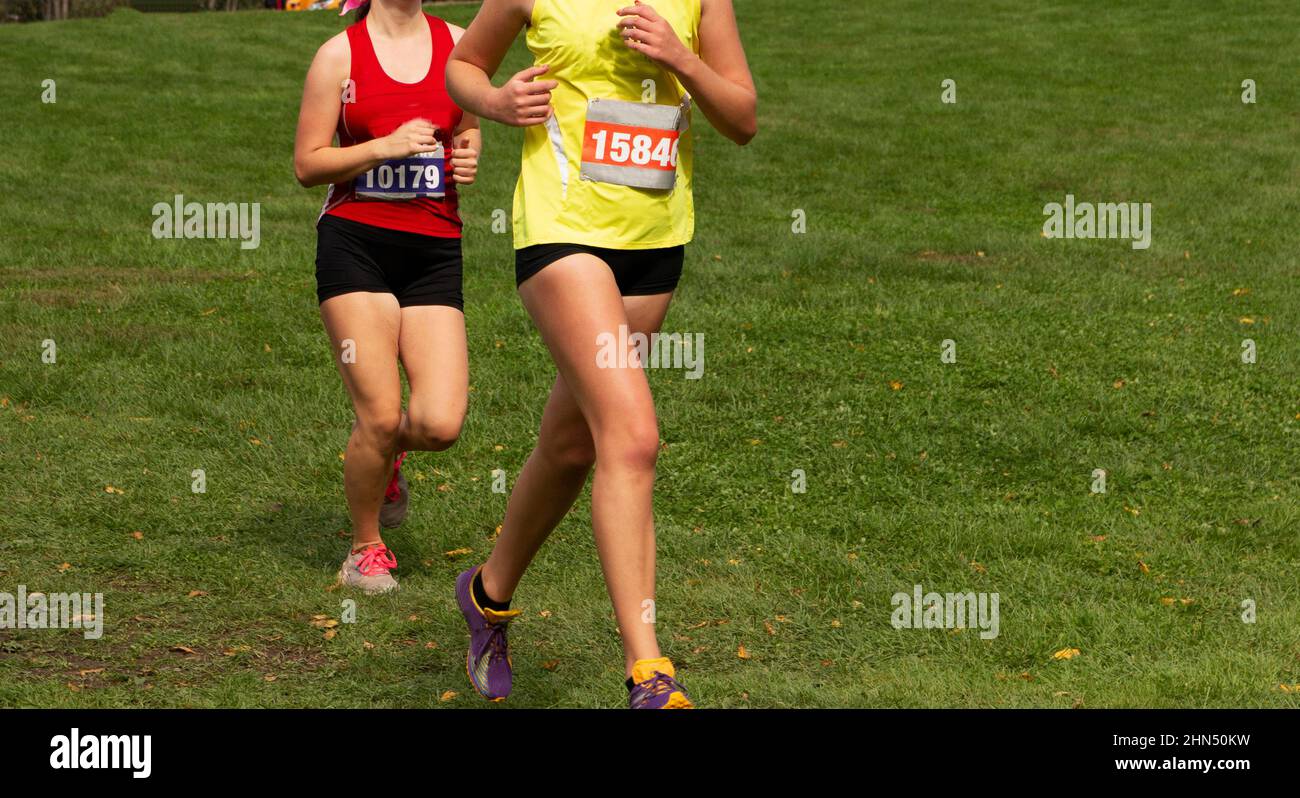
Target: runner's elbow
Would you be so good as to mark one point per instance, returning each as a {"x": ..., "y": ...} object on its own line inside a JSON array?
[
  {"x": 747, "y": 128},
  {"x": 745, "y": 132},
  {"x": 306, "y": 177}
]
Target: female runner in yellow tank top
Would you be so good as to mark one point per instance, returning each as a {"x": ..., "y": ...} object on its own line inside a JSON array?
[{"x": 602, "y": 210}]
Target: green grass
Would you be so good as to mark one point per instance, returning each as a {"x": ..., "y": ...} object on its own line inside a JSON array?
[{"x": 923, "y": 225}]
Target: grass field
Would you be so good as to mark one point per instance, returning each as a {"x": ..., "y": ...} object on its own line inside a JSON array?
[{"x": 822, "y": 353}]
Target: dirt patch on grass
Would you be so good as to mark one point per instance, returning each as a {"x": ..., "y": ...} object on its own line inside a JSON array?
[
  {"x": 931, "y": 256},
  {"x": 134, "y": 654}
]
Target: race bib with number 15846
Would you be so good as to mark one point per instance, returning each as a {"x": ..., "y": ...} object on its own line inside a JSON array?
[{"x": 631, "y": 144}]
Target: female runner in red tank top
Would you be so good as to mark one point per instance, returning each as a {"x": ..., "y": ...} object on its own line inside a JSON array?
[{"x": 388, "y": 259}]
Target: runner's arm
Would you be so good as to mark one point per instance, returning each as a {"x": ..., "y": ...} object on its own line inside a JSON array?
[
  {"x": 316, "y": 160},
  {"x": 718, "y": 78},
  {"x": 467, "y": 138},
  {"x": 478, "y": 55}
]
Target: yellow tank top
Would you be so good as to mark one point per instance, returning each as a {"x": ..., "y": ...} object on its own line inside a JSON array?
[{"x": 553, "y": 205}]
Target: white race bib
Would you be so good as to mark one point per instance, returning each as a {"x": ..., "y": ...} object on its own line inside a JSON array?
[{"x": 420, "y": 175}]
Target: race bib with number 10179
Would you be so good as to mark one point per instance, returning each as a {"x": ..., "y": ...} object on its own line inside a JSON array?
[
  {"x": 418, "y": 175},
  {"x": 631, "y": 144}
]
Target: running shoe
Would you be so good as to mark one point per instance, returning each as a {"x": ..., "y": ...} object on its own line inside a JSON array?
[
  {"x": 654, "y": 686},
  {"x": 368, "y": 569},
  {"x": 488, "y": 659}
]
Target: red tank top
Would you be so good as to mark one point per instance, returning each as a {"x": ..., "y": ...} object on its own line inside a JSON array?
[{"x": 378, "y": 106}]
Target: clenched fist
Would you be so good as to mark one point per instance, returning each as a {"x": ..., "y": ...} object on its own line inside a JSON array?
[
  {"x": 417, "y": 135},
  {"x": 650, "y": 34},
  {"x": 464, "y": 162},
  {"x": 523, "y": 101}
]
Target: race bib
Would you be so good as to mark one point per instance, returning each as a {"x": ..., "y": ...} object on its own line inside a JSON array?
[
  {"x": 418, "y": 175},
  {"x": 631, "y": 144}
]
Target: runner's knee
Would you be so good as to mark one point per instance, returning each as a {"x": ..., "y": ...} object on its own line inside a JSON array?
[
  {"x": 434, "y": 429},
  {"x": 570, "y": 448},
  {"x": 633, "y": 443},
  {"x": 380, "y": 427}
]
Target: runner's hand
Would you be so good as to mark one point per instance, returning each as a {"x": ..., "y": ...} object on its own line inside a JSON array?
[
  {"x": 648, "y": 33},
  {"x": 464, "y": 163},
  {"x": 417, "y": 135},
  {"x": 523, "y": 101}
]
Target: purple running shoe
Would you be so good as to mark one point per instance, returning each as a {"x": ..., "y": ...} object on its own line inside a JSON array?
[
  {"x": 488, "y": 659},
  {"x": 655, "y": 686}
]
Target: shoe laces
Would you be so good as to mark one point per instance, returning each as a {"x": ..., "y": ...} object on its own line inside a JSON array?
[
  {"x": 658, "y": 684},
  {"x": 376, "y": 560},
  {"x": 496, "y": 643}
]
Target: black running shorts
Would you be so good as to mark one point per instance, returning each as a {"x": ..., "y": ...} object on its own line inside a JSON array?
[
  {"x": 638, "y": 272},
  {"x": 417, "y": 269}
]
